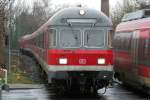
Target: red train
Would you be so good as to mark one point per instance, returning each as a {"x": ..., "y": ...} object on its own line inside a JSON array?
[
  {"x": 73, "y": 49},
  {"x": 132, "y": 50}
]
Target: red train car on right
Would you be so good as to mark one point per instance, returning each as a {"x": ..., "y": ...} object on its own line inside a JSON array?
[{"x": 132, "y": 50}]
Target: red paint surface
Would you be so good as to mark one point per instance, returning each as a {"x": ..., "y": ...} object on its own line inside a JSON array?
[
  {"x": 74, "y": 56},
  {"x": 144, "y": 71}
]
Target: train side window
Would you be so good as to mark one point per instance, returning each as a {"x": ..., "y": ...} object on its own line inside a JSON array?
[
  {"x": 35, "y": 41},
  {"x": 128, "y": 41},
  {"x": 116, "y": 42},
  {"x": 147, "y": 47},
  {"x": 144, "y": 51},
  {"x": 38, "y": 41},
  {"x": 141, "y": 49},
  {"x": 123, "y": 41},
  {"x": 52, "y": 37},
  {"x": 32, "y": 41},
  {"x": 41, "y": 44},
  {"x": 122, "y": 46}
]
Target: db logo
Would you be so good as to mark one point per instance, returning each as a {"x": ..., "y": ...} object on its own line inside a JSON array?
[{"x": 82, "y": 61}]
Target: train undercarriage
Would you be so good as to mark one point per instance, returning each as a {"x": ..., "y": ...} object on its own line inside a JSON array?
[{"x": 82, "y": 82}]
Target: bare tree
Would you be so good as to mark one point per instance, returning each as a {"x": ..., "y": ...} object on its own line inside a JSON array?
[
  {"x": 28, "y": 20},
  {"x": 144, "y": 4},
  {"x": 118, "y": 12},
  {"x": 3, "y": 22}
]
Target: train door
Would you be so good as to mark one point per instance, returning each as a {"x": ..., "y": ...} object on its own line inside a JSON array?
[
  {"x": 134, "y": 55},
  {"x": 144, "y": 56}
]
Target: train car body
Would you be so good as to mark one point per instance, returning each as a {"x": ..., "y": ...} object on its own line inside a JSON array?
[
  {"x": 73, "y": 48},
  {"x": 132, "y": 50}
]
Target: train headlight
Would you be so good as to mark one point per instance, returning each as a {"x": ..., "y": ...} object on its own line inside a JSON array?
[
  {"x": 101, "y": 61},
  {"x": 63, "y": 61}
]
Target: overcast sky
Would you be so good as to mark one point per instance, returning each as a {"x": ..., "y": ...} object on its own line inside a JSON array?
[
  {"x": 95, "y": 4},
  {"x": 90, "y": 3}
]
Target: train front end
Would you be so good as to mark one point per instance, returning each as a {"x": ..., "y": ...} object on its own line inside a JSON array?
[{"x": 79, "y": 54}]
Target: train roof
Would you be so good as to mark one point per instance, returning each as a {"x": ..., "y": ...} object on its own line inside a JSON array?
[
  {"x": 133, "y": 22},
  {"x": 61, "y": 17},
  {"x": 74, "y": 14},
  {"x": 136, "y": 15},
  {"x": 134, "y": 25}
]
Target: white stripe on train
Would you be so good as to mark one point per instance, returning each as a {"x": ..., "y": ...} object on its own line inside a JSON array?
[{"x": 79, "y": 68}]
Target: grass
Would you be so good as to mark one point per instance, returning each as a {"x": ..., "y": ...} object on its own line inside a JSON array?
[{"x": 17, "y": 74}]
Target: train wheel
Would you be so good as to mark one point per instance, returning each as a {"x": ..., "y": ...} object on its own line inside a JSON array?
[
  {"x": 74, "y": 88},
  {"x": 93, "y": 91},
  {"x": 60, "y": 88}
]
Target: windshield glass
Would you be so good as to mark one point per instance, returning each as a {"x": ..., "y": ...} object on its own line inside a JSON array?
[
  {"x": 70, "y": 38},
  {"x": 94, "y": 38}
]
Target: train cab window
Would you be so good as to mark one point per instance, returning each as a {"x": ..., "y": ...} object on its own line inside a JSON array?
[
  {"x": 52, "y": 37},
  {"x": 70, "y": 38},
  {"x": 94, "y": 38}
]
